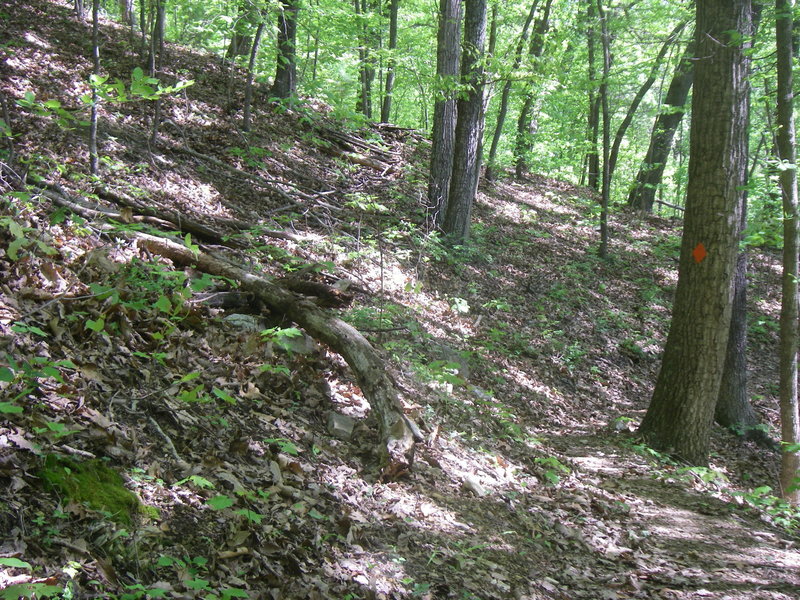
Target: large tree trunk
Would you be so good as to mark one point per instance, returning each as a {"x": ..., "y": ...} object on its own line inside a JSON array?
[
  {"x": 643, "y": 194},
  {"x": 444, "y": 110},
  {"x": 790, "y": 328},
  {"x": 396, "y": 430},
  {"x": 386, "y": 107},
  {"x": 503, "y": 110},
  {"x": 466, "y": 154},
  {"x": 285, "y": 84},
  {"x": 681, "y": 412}
]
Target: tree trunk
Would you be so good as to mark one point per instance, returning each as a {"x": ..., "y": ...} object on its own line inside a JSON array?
[
  {"x": 126, "y": 12},
  {"x": 733, "y": 409},
  {"x": 790, "y": 328},
  {"x": 466, "y": 153},
  {"x": 366, "y": 63},
  {"x": 603, "y": 93},
  {"x": 637, "y": 99},
  {"x": 251, "y": 65},
  {"x": 157, "y": 60},
  {"x": 241, "y": 38},
  {"x": 285, "y": 84},
  {"x": 386, "y": 107},
  {"x": 681, "y": 411},
  {"x": 93, "y": 157},
  {"x": 444, "y": 109},
  {"x": 643, "y": 194},
  {"x": 593, "y": 124},
  {"x": 503, "y": 111},
  {"x": 525, "y": 128}
]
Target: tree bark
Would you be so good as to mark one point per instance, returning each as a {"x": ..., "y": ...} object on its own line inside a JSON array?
[
  {"x": 643, "y": 193},
  {"x": 466, "y": 153},
  {"x": 789, "y": 325},
  {"x": 285, "y": 84},
  {"x": 681, "y": 411},
  {"x": 386, "y": 107},
  {"x": 444, "y": 110},
  {"x": 503, "y": 110}
]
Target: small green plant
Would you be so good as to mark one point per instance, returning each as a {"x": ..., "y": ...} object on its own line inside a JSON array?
[
  {"x": 23, "y": 378},
  {"x": 284, "y": 445},
  {"x": 281, "y": 336},
  {"x": 554, "y": 469}
]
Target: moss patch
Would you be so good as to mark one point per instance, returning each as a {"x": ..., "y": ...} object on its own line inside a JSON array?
[{"x": 94, "y": 484}]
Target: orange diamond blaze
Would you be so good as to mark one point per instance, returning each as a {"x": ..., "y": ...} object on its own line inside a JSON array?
[{"x": 699, "y": 253}]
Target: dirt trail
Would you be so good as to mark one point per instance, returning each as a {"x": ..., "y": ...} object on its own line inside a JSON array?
[{"x": 686, "y": 544}]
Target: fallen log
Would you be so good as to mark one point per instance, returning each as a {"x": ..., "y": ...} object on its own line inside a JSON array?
[{"x": 398, "y": 433}]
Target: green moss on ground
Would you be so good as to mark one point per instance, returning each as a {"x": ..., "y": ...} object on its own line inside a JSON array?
[{"x": 94, "y": 484}]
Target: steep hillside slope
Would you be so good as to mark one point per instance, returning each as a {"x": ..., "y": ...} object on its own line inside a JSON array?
[{"x": 166, "y": 434}]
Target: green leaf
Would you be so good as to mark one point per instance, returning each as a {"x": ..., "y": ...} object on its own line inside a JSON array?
[
  {"x": 30, "y": 590},
  {"x": 189, "y": 377},
  {"x": 229, "y": 593},
  {"x": 6, "y": 374},
  {"x": 9, "y": 408},
  {"x": 220, "y": 502},
  {"x": 15, "y": 562},
  {"x": 223, "y": 395},
  {"x": 200, "y": 482},
  {"x": 197, "y": 584},
  {"x": 315, "y": 514},
  {"x": 163, "y": 304},
  {"x": 250, "y": 515},
  {"x": 97, "y": 325},
  {"x": 13, "y": 248}
]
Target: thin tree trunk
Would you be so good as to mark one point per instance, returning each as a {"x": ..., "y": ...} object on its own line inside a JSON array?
[
  {"x": 525, "y": 128},
  {"x": 789, "y": 325},
  {"x": 251, "y": 65},
  {"x": 93, "y": 157},
  {"x": 593, "y": 124},
  {"x": 466, "y": 154},
  {"x": 733, "y": 409},
  {"x": 603, "y": 91},
  {"x": 503, "y": 111},
  {"x": 444, "y": 109},
  {"x": 285, "y": 84},
  {"x": 386, "y": 107},
  {"x": 643, "y": 193},
  {"x": 637, "y": 99},
  {"x": 157, "y": 53}
]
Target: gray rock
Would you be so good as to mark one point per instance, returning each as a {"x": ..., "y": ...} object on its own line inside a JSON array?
[{"x": 340, "y": 426}]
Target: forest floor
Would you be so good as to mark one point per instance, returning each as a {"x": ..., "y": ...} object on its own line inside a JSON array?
[{"x": 526, "y": 360}]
